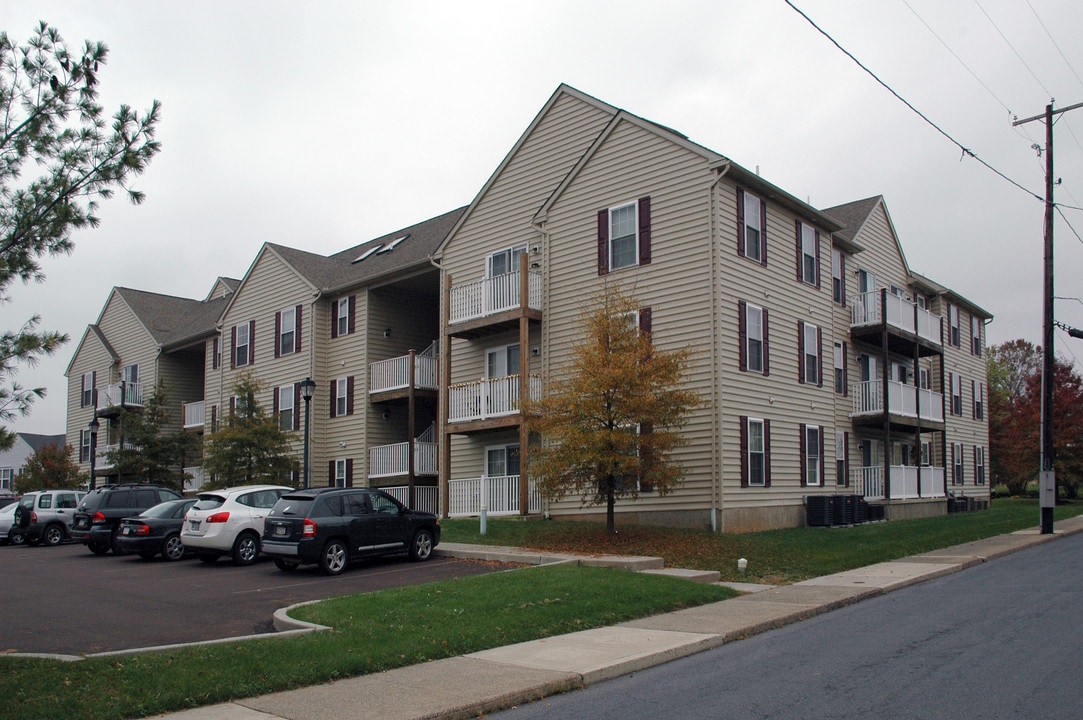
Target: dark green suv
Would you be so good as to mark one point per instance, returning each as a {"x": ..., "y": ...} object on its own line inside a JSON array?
[{"x": 98, "y": 516}]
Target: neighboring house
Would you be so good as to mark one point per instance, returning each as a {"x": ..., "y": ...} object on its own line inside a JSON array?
[
  {"x": 139, "y": 338},
  {"x": 765, "y": 290},
  {"x": 361, "y": 324},
  {"x": 13, "y": 460}
]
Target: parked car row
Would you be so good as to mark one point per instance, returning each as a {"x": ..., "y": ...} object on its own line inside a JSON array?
[{"x": 328, "y": 527}]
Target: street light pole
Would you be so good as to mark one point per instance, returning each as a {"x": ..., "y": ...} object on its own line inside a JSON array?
[
  {"x": 308, "y": 385},
  {"x": 93, "y": 427}
]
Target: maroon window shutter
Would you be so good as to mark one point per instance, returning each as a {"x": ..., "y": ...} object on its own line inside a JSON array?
[
  {"x": 94, "y": 388},
  {"x": 975, "y": 464},
  {"x": 278, "y": 334},
  {"x": 766, "y": 346},
  {"x": 297, "y": 334},
  {"x": 820, "y": 356},
  {"x": 823, "y": 460},
  {"x": 744, "y": 451},
  {"x": 330, "y": 473},
  {"x": 645, "y": 230},
  {"x": 645, "y": 321},
  {"x": 334, "y": 398},
  {"x": 297, "y": 406},
  {"x": 800, "y": 253},
  {"x": 334, "y": 319},
  {"x": 818, "y": 263},
  {"x": 846, "y": 458},
  {"x": 349, "y": 395},
  {"x": 350, "y": 312},
  {"x": 842, "y": 269},
  {"x": 763, "y": 232},
  {"x": 274, "y": 402},
  {"x": 845, "y": 372},
  {"x": 767, "y": 453},
  {"x": 214, "y": 354},
  {"x": 741, "y": 222},
  {"x": 804, "y": 454},
  {"x": 233, "y": 348},
  {"x": 742, "y": 333},
  {"x": 214, "y": 418},
  {"x": 251, "y": 342},
  {"x": 603, "y": 242},
  {"x": 800, "y": 351},
  {"x": 349, "y": 472},
  {"x": 646, "y": 459}
]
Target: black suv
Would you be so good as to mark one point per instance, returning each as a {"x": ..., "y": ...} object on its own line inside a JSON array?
[
  {"x": 333, "y": 526},
  {"x": 98, "y": 515}
]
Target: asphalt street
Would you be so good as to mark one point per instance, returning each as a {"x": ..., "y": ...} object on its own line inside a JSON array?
[
  {"x": 1002, "y": 640},
  {"x": 67, "y": 600}
]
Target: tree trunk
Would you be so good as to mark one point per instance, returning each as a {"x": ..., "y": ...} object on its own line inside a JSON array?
[{"x": 610, "y": 501}]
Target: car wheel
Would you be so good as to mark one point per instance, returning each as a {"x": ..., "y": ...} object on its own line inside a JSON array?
[
  {"x": 209, "y": 557},
  {"x": 172, "y": 547},
  {"x": 421, "y": 546},
  {"x": 245, "y": 548},
  {"x": 286, "y": 565},
  {"x": 53, "y": 535},
  {"x": 333, "y": 558},
  {"x": 97, "y": 548},
  {"x": 16, "y": 537}
]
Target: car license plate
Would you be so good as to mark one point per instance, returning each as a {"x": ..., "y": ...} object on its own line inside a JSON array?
[
  {"x": 127, "y": 530},
  {"x": 194, "y": 524},
  {"x": 280, "y": 530}
]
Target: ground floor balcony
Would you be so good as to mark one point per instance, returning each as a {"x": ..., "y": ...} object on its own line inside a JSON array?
[
  {"x": 393, "y": 460},
  {"x": 495, "y": 495},
  {"x": 489, "y": 398},
  {"x": 195, "y": 416},
  {"x": 426, "y": 497},
  {"x": 903, "y": 482},
  {"x": 117, "y": 396},
  {"x": 902, "y": 401},
  {"x": 194, "y": 478}
]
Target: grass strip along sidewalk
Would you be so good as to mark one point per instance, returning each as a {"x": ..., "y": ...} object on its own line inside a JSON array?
[{"x": 405, "y": 626}]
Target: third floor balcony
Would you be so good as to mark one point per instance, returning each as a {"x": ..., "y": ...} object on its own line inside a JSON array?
[
  {"x": 905, "y": 322},
  {"x": 482, "y": 306}
]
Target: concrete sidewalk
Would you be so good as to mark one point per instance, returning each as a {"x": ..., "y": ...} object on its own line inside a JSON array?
[{"x": 470, "y": 685}]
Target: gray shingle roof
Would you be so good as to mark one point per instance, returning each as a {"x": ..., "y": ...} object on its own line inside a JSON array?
[
  {"x": 37, "y": 442},
  {"x": 170, "y": 319},
  {"x": 853, "y": 215}
]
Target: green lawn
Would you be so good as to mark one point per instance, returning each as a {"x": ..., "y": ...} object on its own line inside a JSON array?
[{"x": 392, "y": 628}]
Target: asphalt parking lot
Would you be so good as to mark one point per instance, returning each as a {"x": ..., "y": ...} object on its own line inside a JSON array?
[{"x": 67, "y": 600}]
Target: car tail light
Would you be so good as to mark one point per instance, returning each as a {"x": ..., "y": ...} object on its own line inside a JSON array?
[
  {"x": 219, "y": 517},
  {"x": 309, "y": 529},
  {"x": 142, "y": 529},
  {"x": 33, "y": 518},
  {"x": 98, "y": 517}
]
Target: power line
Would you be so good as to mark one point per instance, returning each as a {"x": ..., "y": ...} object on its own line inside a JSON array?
[
  {"x": 1009, "y": 44},
  {"x": 1052, "y": 40},
  {"x": 904, "y": 101}
]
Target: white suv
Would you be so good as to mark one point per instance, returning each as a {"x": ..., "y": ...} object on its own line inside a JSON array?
[{"x": 230, "y": 521}]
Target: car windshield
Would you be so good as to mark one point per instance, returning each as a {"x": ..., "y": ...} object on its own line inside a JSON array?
[
  {"x": 208, "y": 502},
  {"x": 161, "y": 510}
]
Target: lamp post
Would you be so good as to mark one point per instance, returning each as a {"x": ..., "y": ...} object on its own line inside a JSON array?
[
  {"x": 93, "y": 426},
  {"x": 308, "y": 385}
]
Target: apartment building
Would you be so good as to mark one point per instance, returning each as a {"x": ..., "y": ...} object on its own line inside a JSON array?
[{"x": 825, "y": 365}]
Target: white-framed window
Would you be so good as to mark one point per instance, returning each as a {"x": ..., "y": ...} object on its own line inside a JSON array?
[
  {"x": 956, "y": 463},
  {"x": 752, "y": 229},
  {"x": 926, "y": 453},
  {"x": 898, "y": 291},
  {"x": 757, "y": 453},
  {"x": 953, "y": 325},
  {"x": 975, "y": 335},
  {"x": 502, "y": 361},
  {"x": 242, "y": 345},
  {"x": 504, "y": 261},
  {"x": 812, "y": 444},
  {"x": 216, "y": 353},
  {"x": 286, "y": 409},
  {"x": 130, "y": 373},
  {"x": 810, "y": 254},
  {"x": 342, "y": 316},
  {"x": 87, "y": 398},
  {"x": 340, "y": 472},
  {"x": 838, "y": 277},
  {"x": 979, "y": 399},
  {"x": 7, "y": 477},
  {"x": 623, "y": 236},
  {"x": 286, "y": 321},
  {"x": 924, "y": 378},
  {"x": 979, "y": 465},
  {"x": 841, "y": 456},
  {"x": 922, "y": 301},
  {"x": 956, "y": 381},
  {"x": 502, "y": 460},
  {"x": 840, "y": 368},
  {"x": 754, "y": 338},
  {"x": 84, "y": 446},
  {"x": 810, "y": 354},
  {"x": 342, "y": 396}
]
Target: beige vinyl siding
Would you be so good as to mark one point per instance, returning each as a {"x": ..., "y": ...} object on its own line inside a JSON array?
[
  {"x": 182, "y": 376},
  {"x": 91, "y": 356},
  {"x": 633, "y": 163},
  {"x": 778, "y": 397}
]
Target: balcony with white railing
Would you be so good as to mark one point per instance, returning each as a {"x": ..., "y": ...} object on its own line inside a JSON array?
[
  {"x": 493, "y": 295},
  {"x": 882, "y": 307},
  {"x": 903, "y": 400},
  {"x": 906, "y": 482},
  {"x": 498, "y": 495},
  {"x": 102, "y": 461},
  {"x": 392, "y": 460},
  {"x": 195, "y": 482},
  {"x": 488, "y": 398},
  {"x": 194, "y": 415},
  {"x": 426, "y": 497},
  {"x": 119, "y": 395},
  {"x": 394, "y": 374}
]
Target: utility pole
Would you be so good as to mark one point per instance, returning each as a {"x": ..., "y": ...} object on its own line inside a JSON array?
[{"x": 1047, "y": 485}]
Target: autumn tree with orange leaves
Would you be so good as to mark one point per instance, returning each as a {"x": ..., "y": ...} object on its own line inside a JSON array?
[{"x": 611, "y": 418}]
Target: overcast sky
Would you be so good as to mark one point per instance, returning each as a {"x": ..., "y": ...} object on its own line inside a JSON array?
[{"x": 320, "y": 125}]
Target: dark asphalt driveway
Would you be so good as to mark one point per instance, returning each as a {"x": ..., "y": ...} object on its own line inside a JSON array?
[{"x": 67, "y": 600}]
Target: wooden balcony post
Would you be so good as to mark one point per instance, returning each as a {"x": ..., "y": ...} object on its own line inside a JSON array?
[
  {"x": 442, "y": 401},
  {"x": 524, "y": 380},
  {"x": 411, "y": 380}
]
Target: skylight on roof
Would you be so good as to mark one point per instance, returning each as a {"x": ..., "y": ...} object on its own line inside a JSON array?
[
  {"x": 393, "y": 244},
  {"x": 375, "y": 248}
]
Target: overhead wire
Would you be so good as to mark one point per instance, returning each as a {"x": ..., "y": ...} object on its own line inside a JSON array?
[
  {"x": 965, "y": 150},
  {"x": 1009, "y": 44}
]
